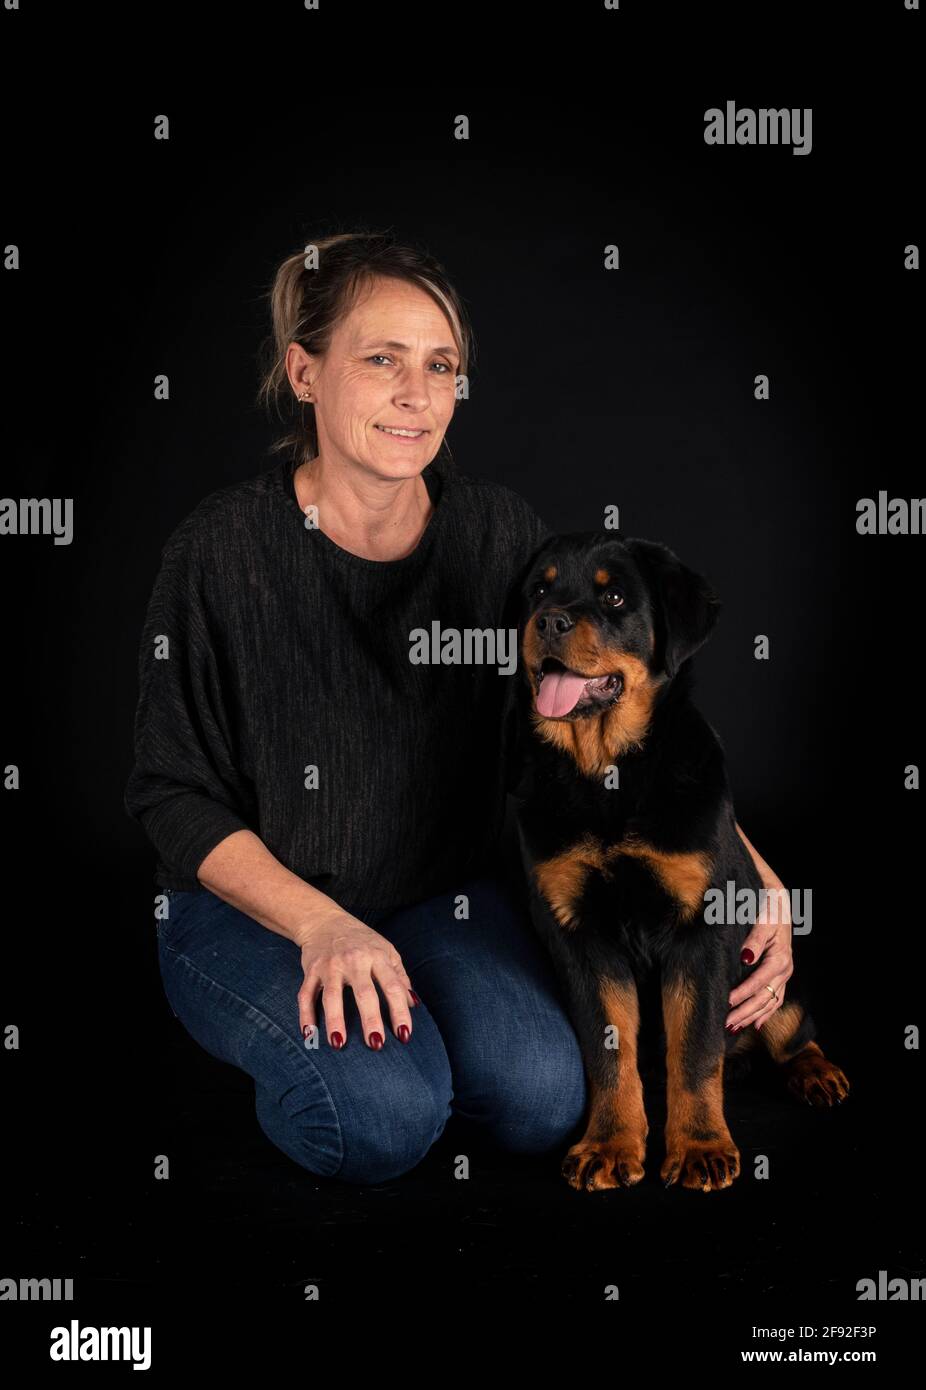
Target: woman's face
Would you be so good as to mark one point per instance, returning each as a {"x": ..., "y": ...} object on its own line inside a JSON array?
[{"x": 391, "y": 363}]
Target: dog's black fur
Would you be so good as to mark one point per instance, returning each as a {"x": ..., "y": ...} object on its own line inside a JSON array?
[{"x": 625, "y": 820}]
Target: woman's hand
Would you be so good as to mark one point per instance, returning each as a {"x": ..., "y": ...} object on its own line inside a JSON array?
[
  {"x": 769, "y": 945},
  {"x": 337, "y": 950}
]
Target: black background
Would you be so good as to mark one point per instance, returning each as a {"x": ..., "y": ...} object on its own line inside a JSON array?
[{"x": 632, "y": 387}]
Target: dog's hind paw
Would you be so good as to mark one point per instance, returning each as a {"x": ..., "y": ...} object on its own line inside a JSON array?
[{"x": 815, "y": 1079}]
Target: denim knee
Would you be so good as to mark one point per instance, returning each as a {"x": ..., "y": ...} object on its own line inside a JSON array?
[
  {"x": 528, "y": 1109},
  {"x": 375, "y": 1137},
  {"x": 388, "y": 1144},
  {"x": 556, "y": 1121}
]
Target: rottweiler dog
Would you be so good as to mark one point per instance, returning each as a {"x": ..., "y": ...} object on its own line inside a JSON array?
[{"x": 626, "y": 821}]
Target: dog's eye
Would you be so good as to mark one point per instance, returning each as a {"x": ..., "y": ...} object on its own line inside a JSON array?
[
  {"x": 538, "y": 590},
  {"x": 612, "y": 598}
]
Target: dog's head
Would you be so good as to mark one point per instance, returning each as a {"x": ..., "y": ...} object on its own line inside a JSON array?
[{"x": 604, "y": 624}]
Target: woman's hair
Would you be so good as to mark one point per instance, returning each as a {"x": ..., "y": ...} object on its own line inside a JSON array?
[{"x": 306, "y": 305}]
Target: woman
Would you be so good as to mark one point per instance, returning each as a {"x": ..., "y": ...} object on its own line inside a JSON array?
[{"x": 326, "y": 812}]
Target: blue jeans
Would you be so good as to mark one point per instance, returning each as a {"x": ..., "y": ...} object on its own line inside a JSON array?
[{"x": 491, "y": 1040}]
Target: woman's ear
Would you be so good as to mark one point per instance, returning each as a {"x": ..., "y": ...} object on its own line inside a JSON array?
[{"x": 685, "y": 607}]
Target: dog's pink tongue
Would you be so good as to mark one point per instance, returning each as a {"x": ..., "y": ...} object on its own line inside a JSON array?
[{"x": 560, "y": 691}]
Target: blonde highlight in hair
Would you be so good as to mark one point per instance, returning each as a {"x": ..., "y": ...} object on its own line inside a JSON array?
[{"x": 306, "y": 304}]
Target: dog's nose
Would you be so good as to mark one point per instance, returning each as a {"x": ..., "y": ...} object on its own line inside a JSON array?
[{"x": 554, "y": 622}]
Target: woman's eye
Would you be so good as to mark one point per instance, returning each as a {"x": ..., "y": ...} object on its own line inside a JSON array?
[
  {"x": 385, "y": 355},
  {"x": 613, "y": 598}
]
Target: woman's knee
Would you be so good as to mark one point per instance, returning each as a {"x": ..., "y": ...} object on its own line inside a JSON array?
[
  {"x": 380, "y": 1128},
  {"x": 540, "y": 1123},
  {"x": 529, "y": 1103}
]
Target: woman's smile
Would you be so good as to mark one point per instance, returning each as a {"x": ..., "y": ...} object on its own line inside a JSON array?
[{"x": 406, "y": 435}]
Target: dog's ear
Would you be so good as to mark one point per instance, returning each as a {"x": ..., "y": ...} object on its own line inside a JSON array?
[{"x": 685, "y": 606}]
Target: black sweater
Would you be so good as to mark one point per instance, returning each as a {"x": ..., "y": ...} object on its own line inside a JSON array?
[{"x": 287, "y": 653}]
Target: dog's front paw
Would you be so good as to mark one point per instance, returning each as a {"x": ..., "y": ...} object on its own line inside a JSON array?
[
  {"x": 593, "y": 1165},
  {"x": 703, "y": 1164}
]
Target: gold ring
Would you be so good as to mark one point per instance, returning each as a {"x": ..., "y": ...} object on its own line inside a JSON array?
[{"x": 772, "y": 993}]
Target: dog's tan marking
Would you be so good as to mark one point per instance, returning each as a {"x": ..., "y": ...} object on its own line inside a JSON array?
[
  {"x": 562, "y": 878},
  {"x": 611, "y": 1151},
  {"x": 602, "y": 576},
  {"x": 780, "y": 1027},
  {"x": 685, "y": 877},
  {"x": 700, "y": 1151},
  {"x": 549, "y": 573}
]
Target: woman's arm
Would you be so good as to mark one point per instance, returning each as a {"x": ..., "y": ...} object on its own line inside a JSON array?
[
  {"x": 768, "y": 944},
  {"x": 337, "y": 948},
  {"x": 243, "y": 872},
  {"x": 769, "y": 878}
]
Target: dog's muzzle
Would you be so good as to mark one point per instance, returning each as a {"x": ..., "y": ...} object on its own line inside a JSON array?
[{"x": 562, "y": 693}]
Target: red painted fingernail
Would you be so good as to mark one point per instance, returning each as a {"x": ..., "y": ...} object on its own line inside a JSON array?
[
  {"x": 747, "y": 957},
  {"x": 376, "y": 1041},
  {"x": 415, "y": 997},
  {"x": 738, "y": 1028},
  {"x": 402, "y": 1032},
  {"x": 305, "y": 1029},
  {"x": 730, "y": 1028},
  {"x": 337, "y": 1040}
]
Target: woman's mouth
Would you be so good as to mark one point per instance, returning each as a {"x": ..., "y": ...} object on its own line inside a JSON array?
[{"x": 400, "y": 432}]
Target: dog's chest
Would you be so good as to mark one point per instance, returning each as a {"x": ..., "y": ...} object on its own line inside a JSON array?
[{"x": 597, "y": 875}]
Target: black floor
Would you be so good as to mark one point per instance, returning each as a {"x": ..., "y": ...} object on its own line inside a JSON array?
[
  {"x": 238, "y": 1209},
  {"x": 239, "y": 1227}
]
